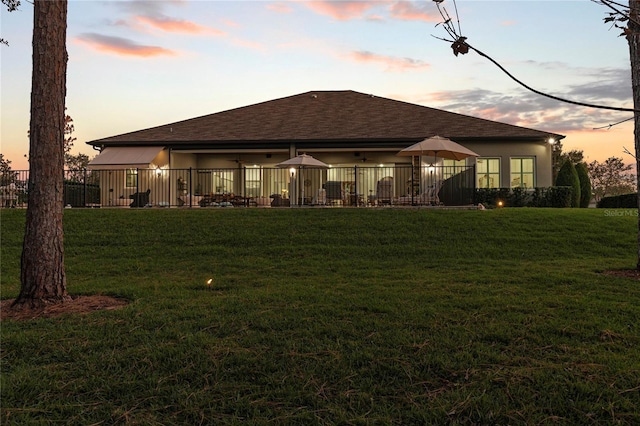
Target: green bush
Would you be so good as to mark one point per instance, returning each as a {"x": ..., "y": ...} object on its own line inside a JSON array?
[
  {"x": 585, "y": 185},
  {"x": 626, "y": 201},
  {"x": 568, "y": 176},
  {"x": 560, "y": 196},
  {"x": 521, "y": 197},
  {"x": 489, "y": 197}
]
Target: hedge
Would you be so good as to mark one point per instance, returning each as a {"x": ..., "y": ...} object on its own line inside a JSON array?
[
  {"x": 555, "y": 196},
  {"x": 626, "y": 201}
]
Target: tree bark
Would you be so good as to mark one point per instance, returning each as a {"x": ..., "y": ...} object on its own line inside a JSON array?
[
  {"x": 633, "y": 37},
  {"x": 43, "y": 279}
]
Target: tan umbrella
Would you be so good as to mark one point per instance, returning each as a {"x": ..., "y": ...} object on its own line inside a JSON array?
[
  {"x": 438, "y": 147},
  {"x": 301, "y": 161}
]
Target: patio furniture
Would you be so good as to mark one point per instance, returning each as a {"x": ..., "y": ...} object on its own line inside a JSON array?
[
  {"x": 321, "y": 198},
  {"x": 140, "y": 199},
  {"x": 334, "y": 192},
  {"x": 384, "y": 190},
  {"x": 428, "y": 197},
  {"x": 189, "y": 200},
  {"x": 278, "y": 201},
  {"x": 8, "y": 195},
  {"x": 262, "y": 201}
]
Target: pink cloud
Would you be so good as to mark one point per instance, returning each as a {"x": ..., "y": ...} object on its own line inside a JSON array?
[
  {"x": 391, "y": 63},
  {"x": 375, "y": 18},
  {"x": 230, "y": 23},
  {"x": 408, "y": 11},
  {"x": 341, "y": 10},
  {"x": 167, "y": 24},
  {"x": 121, "y": 46},
  {"x": 280, "y": 7},
  {"x": 248, "y": 44}
]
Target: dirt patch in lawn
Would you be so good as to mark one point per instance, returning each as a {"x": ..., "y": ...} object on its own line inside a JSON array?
[
  {"x": 624, "y": 273},
  {"x": 77, "y": 305}
]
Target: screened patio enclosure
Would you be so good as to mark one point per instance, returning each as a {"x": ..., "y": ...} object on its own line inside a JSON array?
[{"x": 276, "y": 187}]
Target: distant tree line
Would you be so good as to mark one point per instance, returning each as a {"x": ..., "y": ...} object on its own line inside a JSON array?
[{"x": 609, "y": 178}]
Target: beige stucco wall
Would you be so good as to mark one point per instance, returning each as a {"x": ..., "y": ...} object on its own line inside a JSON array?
[{"x": 507, "y": 150}]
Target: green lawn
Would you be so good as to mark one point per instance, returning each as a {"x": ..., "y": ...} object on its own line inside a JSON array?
[{"x": 332, "y": 316}]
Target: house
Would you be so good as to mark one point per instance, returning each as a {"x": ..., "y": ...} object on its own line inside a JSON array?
[{"x": 358, "y": 135}]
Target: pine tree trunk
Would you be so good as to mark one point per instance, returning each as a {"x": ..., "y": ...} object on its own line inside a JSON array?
[
  {"x": 634, "y": 54},
  {"x": 43, "y": 279}
]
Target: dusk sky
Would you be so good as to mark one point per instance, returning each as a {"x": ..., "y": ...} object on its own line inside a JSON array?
[{"x": 138, "y": 64}]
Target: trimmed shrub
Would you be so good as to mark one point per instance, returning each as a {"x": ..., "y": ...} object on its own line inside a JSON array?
[
  {"x": 519, "y": 197},
  {"x": 568, "y": 176},
  {"x": 489, "y": 197},
  {"x": 585, "y": 185},
  {"x": 555, "y": 196},
  {"x": 560, "y": 196},
  {"x": 626, "y": 201}
]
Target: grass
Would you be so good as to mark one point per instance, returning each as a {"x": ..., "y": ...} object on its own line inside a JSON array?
[{"x": 332, "y": 316}]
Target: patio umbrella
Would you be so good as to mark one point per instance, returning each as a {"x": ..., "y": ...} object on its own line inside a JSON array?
[
  {"x": 438, "y": 147},
  {"x": 301, "y": 161}
]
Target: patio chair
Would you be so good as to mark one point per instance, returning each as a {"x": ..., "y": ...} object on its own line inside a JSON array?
[
  {"x": 333, "y": 191},
  {"x": 384, "y": 190},
  {"x": 430, "y": 196},
  {"x": 321, "y": 197},
  {"x": 140, "y": 199}
]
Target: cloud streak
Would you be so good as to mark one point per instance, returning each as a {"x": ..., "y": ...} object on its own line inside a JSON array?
[
  {"x": 391, "y": 63},
  {"x": 280, "y": 7},
  {"x": 410, "y": 11},
  {"x": 170, "y": 25},
  {"x": 400, "y": 10},
  {"x": 121, "y": 46},
  {"x": 342, "y": 10},
  {"x": 523, "y": 108},
  {"x": 598, "y": 86}
]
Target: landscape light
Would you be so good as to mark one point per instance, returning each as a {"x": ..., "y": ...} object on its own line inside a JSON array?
[{"x": 500, "y": 203}]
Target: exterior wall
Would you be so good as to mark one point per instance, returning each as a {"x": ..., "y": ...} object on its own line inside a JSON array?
[
  {"x": 183, "y": 161},
  {"x": 162, "y": 159},
  {"x": 506, "y": 150},
  {"x": 274, "y": 181}
]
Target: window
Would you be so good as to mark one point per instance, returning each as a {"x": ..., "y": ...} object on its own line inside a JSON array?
[
  {"x": 452, "y": 167},
  {"x": 488, "y": 172},
  {"x": 223, "y": 181},
  {"x": 523, "y": 172},
  {"x": 253, "y": 180},
  {"x": 131, "y": 178}
]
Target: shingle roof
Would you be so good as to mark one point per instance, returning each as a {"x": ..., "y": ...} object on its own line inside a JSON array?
[{"x": 325, "y": 116}]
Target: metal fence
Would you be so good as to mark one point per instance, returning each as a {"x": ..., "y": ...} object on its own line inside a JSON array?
[{"x": 256, "y": 186}]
